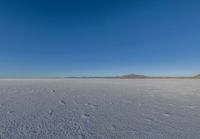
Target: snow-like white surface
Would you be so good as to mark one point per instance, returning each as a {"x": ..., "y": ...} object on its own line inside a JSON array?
[{"x": 99, "y": 109}]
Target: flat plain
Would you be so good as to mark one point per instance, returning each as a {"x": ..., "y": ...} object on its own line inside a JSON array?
[{"x": 99, "y": 108}]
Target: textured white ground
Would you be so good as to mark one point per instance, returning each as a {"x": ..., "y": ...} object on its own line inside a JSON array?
[{"x": 99, "y": 109}]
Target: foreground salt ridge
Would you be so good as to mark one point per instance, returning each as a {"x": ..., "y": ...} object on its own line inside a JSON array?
[{"x": 100, "y": 109}]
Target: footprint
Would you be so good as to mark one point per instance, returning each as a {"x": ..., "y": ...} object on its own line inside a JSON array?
[
  {"x": 191, "y": 107},
  {"x": 11, "y": 112},
  {"x": 50, "y": 112},
  {"x": 113, "y": 127},
  {"x": 105, "y": 95},
  {"x": 91, "y": 105},
  {"x": 35, "y": 132},
  {"x": 139, "y": 105},
  {"x": 166, "y": 114},
  {"x": 62, "y": 102},
  {"x": 85, "y": 116},
  {"x": 52, "y": 92},
  {"x": 127, "y": 101},
  {"x": 150, "y": 119},
  {"x": 171, "y": 104},
  {"x": 82, "y": 136}
]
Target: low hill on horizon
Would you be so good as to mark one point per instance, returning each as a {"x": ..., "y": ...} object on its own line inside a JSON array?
[
  {"x": 197, "y": 76},
  {"x": 139, "y": 76},
  {"x": 134, "y": 76}
]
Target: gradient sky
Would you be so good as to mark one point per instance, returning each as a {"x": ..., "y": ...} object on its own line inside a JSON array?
[{"x": 99, "y": 37}]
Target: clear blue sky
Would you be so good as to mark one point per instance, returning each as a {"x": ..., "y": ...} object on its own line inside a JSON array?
[{"x": 99, "y": 37}]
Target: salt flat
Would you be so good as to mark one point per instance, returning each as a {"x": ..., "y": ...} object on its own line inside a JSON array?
[{"x": 99, "y": 109}]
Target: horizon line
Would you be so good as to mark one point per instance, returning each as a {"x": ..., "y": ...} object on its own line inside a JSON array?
[{"x": 104, "y": 76}]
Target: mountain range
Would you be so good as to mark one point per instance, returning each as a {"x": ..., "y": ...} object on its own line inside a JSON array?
[{"x": 138, "y": 76}]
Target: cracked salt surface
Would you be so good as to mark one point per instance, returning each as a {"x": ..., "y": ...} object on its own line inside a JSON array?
[{"x": 99, "y": 109}]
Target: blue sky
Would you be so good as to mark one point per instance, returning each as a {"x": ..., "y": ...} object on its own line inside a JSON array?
[{"x": 99, "y": 37}]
